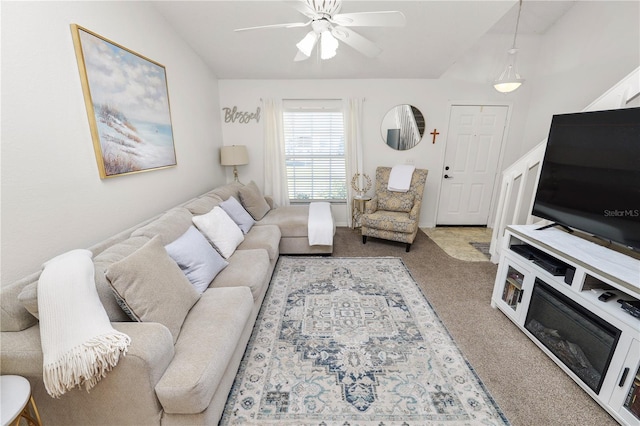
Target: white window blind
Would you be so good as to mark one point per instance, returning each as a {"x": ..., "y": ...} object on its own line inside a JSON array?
[{"x": 314, "y": 154}]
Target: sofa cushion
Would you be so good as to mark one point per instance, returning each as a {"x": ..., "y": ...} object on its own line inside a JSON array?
[
  {"x": 395, "y": 201},
  {"x": 203, "y": 204},
  {"x": 292, "y": 220},
  {"x": 228, "y": 190},
  {"x": 238, "y": 214},
  {"x": 247, "y": 268},
  {"x": 13, "y": 315},
  {"x": 169, "y": 226},
  {"x": 29, "y": 299},
  {"x": 29, "y": 294},
  {"x": 389, "y": 221},
  {"x": 206, "y": 344},
  {"x": 221, "y": 230},
  {"x": 253, "y": 201},
  {"x": 263, "y": 237},
  {"x": 197, "y": 259},
  {"x": 105, "y": 259},
  {"x": 153, "y": 286}
]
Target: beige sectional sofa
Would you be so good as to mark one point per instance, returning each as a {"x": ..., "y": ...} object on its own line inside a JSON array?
[{"x": 159, "y": 382}]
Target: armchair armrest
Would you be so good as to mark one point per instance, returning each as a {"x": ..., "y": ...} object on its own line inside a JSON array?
[
  {"x": 371, "y": 206},
  {"x": 415, "y": 211}
]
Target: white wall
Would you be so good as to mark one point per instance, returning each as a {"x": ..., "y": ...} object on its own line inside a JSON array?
[
  {"x": 52, "y": 197},
  {"x": 432, "y": 97},
  {"x": 589, "y": 49},
  {"x": 592, "y": 47}
]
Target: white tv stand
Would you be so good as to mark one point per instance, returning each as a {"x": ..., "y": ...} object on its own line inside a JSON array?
[{"x": 597, "y": 270}]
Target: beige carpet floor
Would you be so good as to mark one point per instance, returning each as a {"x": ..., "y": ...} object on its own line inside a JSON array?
[{"x": 529, "y": 387}]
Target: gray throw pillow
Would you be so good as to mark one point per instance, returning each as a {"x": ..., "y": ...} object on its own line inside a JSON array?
[
  {"x": 238, "y": 214},
  {"x": 153, "y": 287},
  {"x": 197, "y": 259},
  {"x": 253, "y": 201}
]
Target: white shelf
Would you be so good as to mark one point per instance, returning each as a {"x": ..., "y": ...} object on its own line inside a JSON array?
[
  {"x": 611, "y": 306},
  {"x": 611, "y": 264}
]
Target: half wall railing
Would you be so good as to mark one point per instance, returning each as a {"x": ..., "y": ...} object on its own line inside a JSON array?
[{"x": 520, "y": 180}]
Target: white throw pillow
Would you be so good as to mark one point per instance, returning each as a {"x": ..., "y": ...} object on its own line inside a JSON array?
[{"x": 221, "y": 230}]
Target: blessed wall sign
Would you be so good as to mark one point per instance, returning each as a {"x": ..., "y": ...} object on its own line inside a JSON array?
[{"x": 232, "y": 115}]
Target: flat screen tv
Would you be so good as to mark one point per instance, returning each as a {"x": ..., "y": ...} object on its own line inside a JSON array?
[{"x": 590, "y": 177}]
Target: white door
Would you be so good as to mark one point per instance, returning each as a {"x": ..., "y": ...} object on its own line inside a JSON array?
[{"x": 471, "y": 164}]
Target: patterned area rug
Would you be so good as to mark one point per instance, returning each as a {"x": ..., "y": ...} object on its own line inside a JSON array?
[{"x": 353, "y": 341}]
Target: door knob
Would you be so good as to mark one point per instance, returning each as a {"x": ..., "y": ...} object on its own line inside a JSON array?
[{"x": 447, "y": 177}]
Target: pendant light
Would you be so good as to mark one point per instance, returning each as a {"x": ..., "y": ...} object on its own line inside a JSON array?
[{"x": 510, "y": 79}]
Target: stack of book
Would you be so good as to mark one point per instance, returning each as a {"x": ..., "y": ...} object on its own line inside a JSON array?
[
  {"x": 632, "y": 402},
  {"x": 512, "y": 289}
]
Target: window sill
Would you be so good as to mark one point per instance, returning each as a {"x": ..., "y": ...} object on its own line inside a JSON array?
[{"x": 332, "y": 202}]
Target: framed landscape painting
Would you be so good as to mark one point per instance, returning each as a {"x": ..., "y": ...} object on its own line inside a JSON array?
[{"x": 127, "y": 102}]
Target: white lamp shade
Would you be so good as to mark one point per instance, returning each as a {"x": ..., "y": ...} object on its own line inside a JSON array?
[
  {"x": 307, "y": 43},
  {"x": 510, "y": 79},
  {"x": 507, "y": 86},
  {"x": 328, "y": 45},
  {"x": 234, "y": 155}
]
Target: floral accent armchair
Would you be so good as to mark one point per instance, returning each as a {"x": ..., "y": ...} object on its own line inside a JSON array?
[{"x": 394, "y": 215}]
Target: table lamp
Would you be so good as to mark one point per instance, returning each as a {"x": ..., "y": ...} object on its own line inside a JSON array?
[{"x": 234, "y": 155}]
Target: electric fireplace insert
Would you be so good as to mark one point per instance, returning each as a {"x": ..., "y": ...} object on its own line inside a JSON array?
[{"x": 582, "y": 341}]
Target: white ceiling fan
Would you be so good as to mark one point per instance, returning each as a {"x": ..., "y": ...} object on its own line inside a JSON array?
[{"x": 329, "y": 26}]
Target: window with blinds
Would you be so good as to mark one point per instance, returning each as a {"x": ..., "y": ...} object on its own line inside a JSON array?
[{"x": 315, "y": 154}]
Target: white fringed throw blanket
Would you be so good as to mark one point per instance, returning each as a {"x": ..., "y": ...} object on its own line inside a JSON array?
[{"x": 78, "y": 343}]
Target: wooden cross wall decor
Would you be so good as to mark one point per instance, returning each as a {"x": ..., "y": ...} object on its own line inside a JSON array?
[{"x": 434, "y": 133}]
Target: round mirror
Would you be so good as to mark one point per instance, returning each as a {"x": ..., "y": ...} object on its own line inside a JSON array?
[{"x": 403, "y": 127}]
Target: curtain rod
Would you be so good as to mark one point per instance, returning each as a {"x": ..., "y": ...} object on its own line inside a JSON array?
[{"x": 311, "y": 99}]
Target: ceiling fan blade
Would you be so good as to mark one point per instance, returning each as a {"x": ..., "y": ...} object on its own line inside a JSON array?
[
  {"x": 355, "y": 40},
  {"x": 289, "y": 25},
  {"x": 303, "y": 8},
  {"x": 370, "y": 19}
]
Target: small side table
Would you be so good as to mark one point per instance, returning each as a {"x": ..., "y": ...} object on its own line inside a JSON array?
[
  {"x": 358, "y": 209},
  {"x": 17, "y": 402}
]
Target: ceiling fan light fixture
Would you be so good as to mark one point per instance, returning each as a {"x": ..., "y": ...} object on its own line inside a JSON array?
[
  {"x": 328, "y": 45},
  {"x": 509, "y": 80},
  {"x": 330, "y": 28},
  {"x": 307, "y": 44}
]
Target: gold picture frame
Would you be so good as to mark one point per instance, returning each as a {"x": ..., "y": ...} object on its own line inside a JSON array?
[{"x": 127, "y": 101}]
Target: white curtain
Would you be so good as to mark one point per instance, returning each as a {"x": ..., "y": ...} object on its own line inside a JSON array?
[
  {"x": 352, "y": 108},
  {"x": 275, "y": 170}
]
